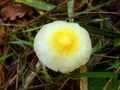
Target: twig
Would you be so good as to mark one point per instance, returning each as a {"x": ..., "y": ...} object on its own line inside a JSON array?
[
  {"x": 106, "y": 21},
  {"x": 102, "y": 12},
  {"x": 119, "y": 87},
  {"x": 42, "y": 86},
  {"x": 9, "y": 24},
  {"x": 17, "y": 75},
  {"x": 83, "y": 81},
  {"x": 32, "y": 75},
  {"x": 64, "y": 84},
  {"x": 46, "y": 75},
  {"x": 113, "y": 57},
  {"x": 109, "y": 81}
]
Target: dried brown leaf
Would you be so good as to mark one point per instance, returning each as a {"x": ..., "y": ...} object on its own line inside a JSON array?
[
  {"x": 13, "y": 10},
  {"x": 3, "y": 2}
]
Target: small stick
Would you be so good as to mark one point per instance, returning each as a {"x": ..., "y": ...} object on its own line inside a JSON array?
[
  {"x": 109, "y": 81},
  {"x": 32, "y": 74},
  {"x": 113, "y": 57},
  {"x": 83, "y": 81}
]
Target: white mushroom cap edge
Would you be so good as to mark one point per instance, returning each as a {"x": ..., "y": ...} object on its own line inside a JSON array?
[{"x": 63, "y": 46}]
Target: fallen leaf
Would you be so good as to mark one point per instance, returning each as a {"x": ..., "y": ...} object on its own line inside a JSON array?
[
  {"x": 3, "y": 2},
  {"x": 13, "y": 10}
]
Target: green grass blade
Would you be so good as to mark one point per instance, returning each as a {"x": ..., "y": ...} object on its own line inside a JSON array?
[
  {"x": 116, "y": 41},
  {"x": 114, "y": 65},
  {"x": 97, "y": 47},
  {"x": 6, "y": 56},
  {"x": 101, "y": 31},
  {"x": 63, "y": 84},
  {"x": 37, "y": 4},
  {"x": 101, "y": 44},
  {"x": 93, "y": 75},
  {"x": 70, "y": 6},
  {"x": 32, "y": 29},
  {"x": 91, "y": 9},
  {"x": 20, "y": 42}
]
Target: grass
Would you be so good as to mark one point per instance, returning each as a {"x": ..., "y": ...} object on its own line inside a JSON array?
[{"x": 19, "y": 65}]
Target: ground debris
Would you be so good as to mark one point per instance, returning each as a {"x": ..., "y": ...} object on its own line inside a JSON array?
[{"x": 13, "y": 10}]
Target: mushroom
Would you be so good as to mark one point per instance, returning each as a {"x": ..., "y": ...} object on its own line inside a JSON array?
[{"x": 63, "y": 46}]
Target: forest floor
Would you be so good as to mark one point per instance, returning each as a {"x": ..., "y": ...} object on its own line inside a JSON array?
[{"x": 20, "y": 68}]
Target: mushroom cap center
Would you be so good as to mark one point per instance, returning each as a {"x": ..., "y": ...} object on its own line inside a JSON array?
[{"x": 63, "y": 41}]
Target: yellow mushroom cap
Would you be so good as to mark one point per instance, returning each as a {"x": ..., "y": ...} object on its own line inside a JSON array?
[{"x": 63, "y": 46}]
